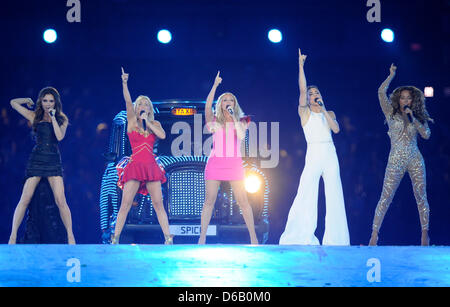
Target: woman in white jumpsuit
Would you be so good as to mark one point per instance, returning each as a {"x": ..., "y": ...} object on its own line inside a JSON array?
[{"x": 320, "y": 161}]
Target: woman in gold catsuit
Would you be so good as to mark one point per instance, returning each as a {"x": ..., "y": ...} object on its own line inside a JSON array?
[{"x": 404, "y": 155}]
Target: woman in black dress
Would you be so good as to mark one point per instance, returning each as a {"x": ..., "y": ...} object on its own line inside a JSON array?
[{"x": 49, "y": 125}]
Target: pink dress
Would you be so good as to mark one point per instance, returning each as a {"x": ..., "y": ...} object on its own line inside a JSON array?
[
  {"x": 142, "y": 165},
  {"x": 225, "y": 161}
]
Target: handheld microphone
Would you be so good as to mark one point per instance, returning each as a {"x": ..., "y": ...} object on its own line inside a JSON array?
[
  {"x": 52, "y": 113},
  {"x": 409, "y": 115},
  {"x": 319, "y": 102},
  {"x": 143, "y": 121},
  {"x": 230, "y": 110}
]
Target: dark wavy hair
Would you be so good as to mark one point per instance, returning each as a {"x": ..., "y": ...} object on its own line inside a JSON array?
[
  {"x": 61, "y": 118},
  {"x": 418, "y": 106}
]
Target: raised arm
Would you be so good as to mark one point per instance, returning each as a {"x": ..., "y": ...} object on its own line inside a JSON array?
[
  {"x": 382, "y": 92},
  {"x": 131, "y": 116},
  {"x": 303, "y": 108},
  {"x": 209, "y": 100},
  {"x": 17, "y": 104}
]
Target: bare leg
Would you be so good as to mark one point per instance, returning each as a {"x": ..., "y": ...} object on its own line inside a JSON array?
[
  {"x": 212, "y": 187},
  {"x": 57, "y": 185},
  {"x": 27, "y": 193},
  {"x": 129, "y": 191},
  {"x": 241, "y": 198},
  {"x": 154, "y": 188}
]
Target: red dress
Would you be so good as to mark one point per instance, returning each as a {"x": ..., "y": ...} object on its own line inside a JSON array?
[{"x": 142, "y": 165}]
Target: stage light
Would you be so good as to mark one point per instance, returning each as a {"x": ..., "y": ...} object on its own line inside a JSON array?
[
  {"x": 252, "y": 183},
  {"x": 275, "y": 36},
  {"x": 101, "y": 127},
  {"x": 164, "y": 36},
  {"x": 388, "y": 35},
  {"x": 50, "y": 36},
  {"x": 429, "y": 92}
]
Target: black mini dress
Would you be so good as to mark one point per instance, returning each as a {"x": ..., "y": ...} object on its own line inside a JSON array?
[{"x": 45, "y": 159}]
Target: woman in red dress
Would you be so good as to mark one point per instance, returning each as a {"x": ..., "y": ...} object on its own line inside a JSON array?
[{"x": 141, "y": 174}]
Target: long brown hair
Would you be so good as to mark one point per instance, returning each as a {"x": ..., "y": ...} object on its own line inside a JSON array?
[
  {"x": 61, "y": 118},
  {"x": 418, "y": 106}
]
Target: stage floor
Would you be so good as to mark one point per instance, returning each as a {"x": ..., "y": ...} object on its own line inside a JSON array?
[{"x": 223, "y": 266}]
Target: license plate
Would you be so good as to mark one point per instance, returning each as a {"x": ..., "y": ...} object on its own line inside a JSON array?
[{"x": 192, "y": 230}]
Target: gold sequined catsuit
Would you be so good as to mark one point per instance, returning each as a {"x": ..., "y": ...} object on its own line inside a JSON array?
[{"x": 403, "y": 157}]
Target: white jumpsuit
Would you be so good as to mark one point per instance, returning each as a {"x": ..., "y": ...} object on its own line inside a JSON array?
[{"x": 320, "y": 160}]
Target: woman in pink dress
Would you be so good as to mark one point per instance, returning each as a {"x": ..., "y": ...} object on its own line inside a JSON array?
[
  {"x": 225, "y": 162},
  {"x": 141, "y": 174}
]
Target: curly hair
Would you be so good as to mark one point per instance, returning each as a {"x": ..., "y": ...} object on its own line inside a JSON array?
[
  {"x": 61, "y": 118},
  {"x": 418, "y": 103}
]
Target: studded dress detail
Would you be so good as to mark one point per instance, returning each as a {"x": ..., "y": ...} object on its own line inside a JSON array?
[{"x": 404, "y": 157}]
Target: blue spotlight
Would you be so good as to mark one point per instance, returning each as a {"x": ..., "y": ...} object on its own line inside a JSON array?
[
  {"x": 388, "y": 35},
  {"x": 164, "y": 36},
  {"x": 50, "y": 36},
  {"x": 275, "y": 36}
]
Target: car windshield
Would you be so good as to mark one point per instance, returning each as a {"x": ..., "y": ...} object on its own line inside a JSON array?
[{"x": 183, "y": 137}]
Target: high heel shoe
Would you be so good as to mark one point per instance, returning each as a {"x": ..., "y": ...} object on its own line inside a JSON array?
[
  {"x": 12, "y": 240},
  {"x": 169, "y": 240},
  {"x": 114, "y": 239}
]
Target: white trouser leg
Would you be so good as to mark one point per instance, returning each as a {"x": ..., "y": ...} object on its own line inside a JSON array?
[
  {"x": 336, "y": 229},
  {"x": 302, "y": 219}
]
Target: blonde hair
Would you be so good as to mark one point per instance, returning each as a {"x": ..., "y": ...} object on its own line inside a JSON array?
[
  {"x": 237, "y": 111},
  {"x": 152, "y": 112}
]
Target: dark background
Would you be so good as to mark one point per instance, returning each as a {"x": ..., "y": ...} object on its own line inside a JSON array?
[{"x": 346, "y": 58}]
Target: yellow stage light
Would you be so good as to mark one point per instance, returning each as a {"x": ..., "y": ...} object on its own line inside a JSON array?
[{"x": 252, "y": 183}]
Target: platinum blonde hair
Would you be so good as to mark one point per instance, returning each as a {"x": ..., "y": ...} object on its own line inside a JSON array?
[
  {"x": 136, "y": 103},
  {"x": 237, "y": 111}
]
